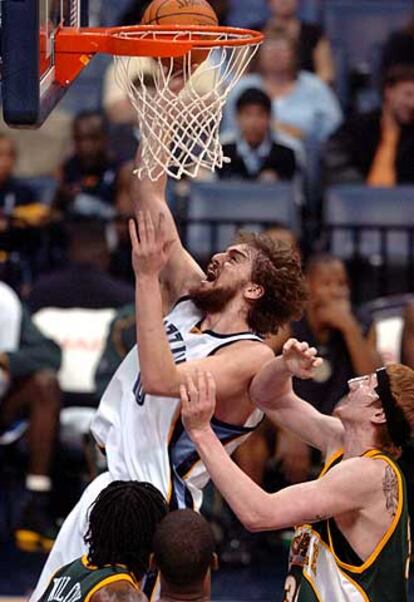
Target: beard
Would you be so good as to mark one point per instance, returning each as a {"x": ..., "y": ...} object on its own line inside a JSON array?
[{"x": 214, "y": 300}]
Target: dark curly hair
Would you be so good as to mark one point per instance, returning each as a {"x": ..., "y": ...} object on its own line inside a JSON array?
[
  {"x": 276, "y": 267},
  {"x": 122, "y": 523}
]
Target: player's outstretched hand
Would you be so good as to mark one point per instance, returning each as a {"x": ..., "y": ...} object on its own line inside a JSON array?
[
  {"x": 300, "y": 359},
  {"x": 198, "y": 402},
  {"x": 150, "y": 247}
]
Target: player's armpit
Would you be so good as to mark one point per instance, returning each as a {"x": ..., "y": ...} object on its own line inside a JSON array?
[{"x": 120, "y": 591}]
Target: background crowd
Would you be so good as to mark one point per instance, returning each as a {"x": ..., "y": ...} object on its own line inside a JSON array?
[{"x": 323, "y": 123}]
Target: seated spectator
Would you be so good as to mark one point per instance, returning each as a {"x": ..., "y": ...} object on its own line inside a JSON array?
[
  {"x": 304, "y": 108},
  {"x": 84, "y": 282},
  {"x": 121, "y": 338},
  {"x": 343, "y": 337},
  {"x": 21, "y": 214},
  {"x": 121, "y": 526},
  {"x": 399, "y": 48},
  {"x": 87, "y": 178},
  {"x": 41, "y": 151},
  {"x": 253, "y": 152},
  {"x": 407, "y": 343},
  {"x": 314, "y": 49},
  {"x": 183, "y": 552},
  {"x": 377, "y": 148},
  {"x": 279, "y": 231},
  {"x": 28, "y": 391}
]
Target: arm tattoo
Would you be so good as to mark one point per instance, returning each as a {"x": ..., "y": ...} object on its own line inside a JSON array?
[{"x": 390, "y": 489}]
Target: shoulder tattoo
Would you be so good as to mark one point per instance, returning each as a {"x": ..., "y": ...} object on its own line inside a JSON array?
[{"x": 390, "y": 489}]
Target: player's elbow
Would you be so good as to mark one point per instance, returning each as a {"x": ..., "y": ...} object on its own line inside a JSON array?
[
  {"x": 258, "y": 518},
  {"x": 255, "y": 524},
  {"x": 252, "y": 525},
  {"x": 160, "y": 387}
]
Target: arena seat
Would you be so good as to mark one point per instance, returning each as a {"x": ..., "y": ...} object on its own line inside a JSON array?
[
  {"x": 216, "y": 210},
  {"x": 357, "y": 32},
  {"x": 349, "y": 208},
  {"x": 360, "y": 27},
  {"x": 372, "y": 229}
]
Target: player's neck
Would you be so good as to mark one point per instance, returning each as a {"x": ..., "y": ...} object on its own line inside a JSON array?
[
  {"x": 225, "y": 322},
  {"x": 168, "y": 596},
  {"x": 183, "y": 598},
  {"x": 358, "y": 440}
]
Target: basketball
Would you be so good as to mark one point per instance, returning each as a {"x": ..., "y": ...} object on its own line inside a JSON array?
[
  {"x": 179, "y": 12},
  {"x": 182, "y": 12}
]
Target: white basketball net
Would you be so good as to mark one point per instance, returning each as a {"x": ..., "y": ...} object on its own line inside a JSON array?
[{"x": 179, "y": 109}]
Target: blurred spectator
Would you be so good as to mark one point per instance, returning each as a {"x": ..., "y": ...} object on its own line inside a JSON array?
[
  {"x": 378, "y": 147},
  {"x": 314, "y": 49},
  {"x": 253, "y": 152},
  {"x": 407, "y": 343},
  {"x": 87, "y": 179},
  {"x": 21, "y": 215},
  {"x": 12, "y": 192},
  {"x": 121, "y": 526},
  {"x": 120, "y": 340},
  {"x": 41, "y": 151},
  {"x": 399, "y": 48},
  {"x": 28, "y": 391},
  {"x": 304, "y": 107},
  {"x": 120, "y": 260},
  {"x": 346, "y": 340},
  {"x": 280, "y": 231},
  {"x": 183, "y": 552},
  {"x": 84, "y": 282}
]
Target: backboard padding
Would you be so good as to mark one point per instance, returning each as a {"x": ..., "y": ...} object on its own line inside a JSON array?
[{"x": 28, "y": 86}]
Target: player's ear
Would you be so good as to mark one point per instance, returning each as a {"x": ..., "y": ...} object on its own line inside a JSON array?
[
  {"x": 152, "y": 563},
  {"x": 378, "y": 417},
  {"x": 253, "y": 291}
]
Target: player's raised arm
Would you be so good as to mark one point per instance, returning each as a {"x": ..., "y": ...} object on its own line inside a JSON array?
[
  {"x": 271, "y": 390},
  {"x": 233, "y": 370},
  {"x": 335, "y": 493},
  {"x": 181, "y": 271}
]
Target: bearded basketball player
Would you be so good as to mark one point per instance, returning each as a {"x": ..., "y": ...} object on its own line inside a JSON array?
[{"x": 216, "y": 323}]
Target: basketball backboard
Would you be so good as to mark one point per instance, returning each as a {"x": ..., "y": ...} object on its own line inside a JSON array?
[{"x": 29, "y": 86}]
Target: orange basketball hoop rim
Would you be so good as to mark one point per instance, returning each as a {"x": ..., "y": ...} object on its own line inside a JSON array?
[{"x": 74, "y": 47}]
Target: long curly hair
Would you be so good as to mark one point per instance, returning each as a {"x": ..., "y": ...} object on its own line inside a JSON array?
[
  {"x": 122, "y": 523},
  {"x": 277, "y": 268}
]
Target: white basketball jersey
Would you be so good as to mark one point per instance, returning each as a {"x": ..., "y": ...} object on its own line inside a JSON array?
[{"x": 143, "y": 435}]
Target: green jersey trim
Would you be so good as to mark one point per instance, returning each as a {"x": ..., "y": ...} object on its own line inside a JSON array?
[{"x": 375, "y": 455}]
